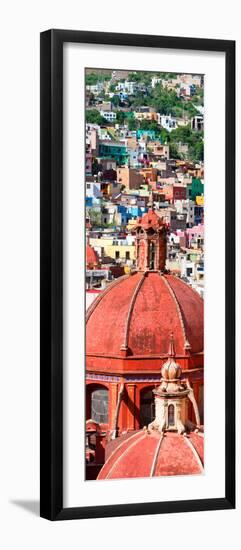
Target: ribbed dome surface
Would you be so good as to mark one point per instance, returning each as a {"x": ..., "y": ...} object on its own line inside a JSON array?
[
  {"x": 155, "y": 454},
  {"x": 139, "y": 311}
]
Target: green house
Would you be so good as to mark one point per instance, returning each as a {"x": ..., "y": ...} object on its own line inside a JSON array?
[
  {"x": 195, "y": 189},
  {"x": 151, "y": 134},
  {"x": 115, "y": 151}
]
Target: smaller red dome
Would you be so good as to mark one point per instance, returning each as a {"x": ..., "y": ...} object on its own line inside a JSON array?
[
  {"x": 145, "y": 454},
  {"x": 92, "y": 257}
]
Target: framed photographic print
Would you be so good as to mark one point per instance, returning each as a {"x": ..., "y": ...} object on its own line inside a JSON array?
[{"x": 137, "y": 274}]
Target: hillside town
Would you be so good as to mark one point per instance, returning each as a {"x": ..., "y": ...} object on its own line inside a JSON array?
[
  {"x": 144, "y": 274},
  {"x": 144, "y": 146}
]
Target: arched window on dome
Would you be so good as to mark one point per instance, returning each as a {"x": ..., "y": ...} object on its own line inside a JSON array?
[
  {"x": 147, "y": 406},
  {"x": 171, "y": 416},
  {"x": 98, "y": 398}
]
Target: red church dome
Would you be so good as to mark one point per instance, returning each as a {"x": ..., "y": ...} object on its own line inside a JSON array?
[
  {"x": 92, "y": 258},
  {"x": 138, "y": 312},
  {"x": 131, "y": 328},
  {"x": 143, "y": 454}
]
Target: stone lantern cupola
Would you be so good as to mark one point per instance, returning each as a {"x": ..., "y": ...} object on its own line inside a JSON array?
[
  {"x": 150, "y": 232},
  {"x": 171, "y": 396}
]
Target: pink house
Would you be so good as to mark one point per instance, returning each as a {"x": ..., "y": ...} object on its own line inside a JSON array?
[{"x": 195, "y": 236}]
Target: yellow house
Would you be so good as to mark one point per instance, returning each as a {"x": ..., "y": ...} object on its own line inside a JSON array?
[
  {"x": 146, "y": 116},
  {"x": 120, "y": 252},
  {"x": 200, "y": 200}
]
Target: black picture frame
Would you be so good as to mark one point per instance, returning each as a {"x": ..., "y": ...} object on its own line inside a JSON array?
[{"x": 51, "y": 323}]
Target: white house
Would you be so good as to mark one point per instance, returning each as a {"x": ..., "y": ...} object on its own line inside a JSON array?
[
  {"x": 186, "y": 207},
  {"x": 93, "y": 189},
  {"x": 95, "y": 88},
  {"x": 197, "y": 123},
  {"x": 155, "y": 80},
  {"x": 108, "y": 115},
  {"x": 167, "y": 122},
  {"x": 126, "y": 86}
]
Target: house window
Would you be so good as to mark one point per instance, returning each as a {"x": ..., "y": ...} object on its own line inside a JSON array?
[
  {"x": 88, "y": 185},
  {"x": 127, "y": 255},
  {"x": 117, "y": 254}
]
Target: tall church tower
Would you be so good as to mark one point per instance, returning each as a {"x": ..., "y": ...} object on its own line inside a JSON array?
[{"x": 150, "y": 232}]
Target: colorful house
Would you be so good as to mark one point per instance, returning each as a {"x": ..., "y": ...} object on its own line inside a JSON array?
[
  {"x": 115, "y": 150},
  {"x": 196, "y": 188}
]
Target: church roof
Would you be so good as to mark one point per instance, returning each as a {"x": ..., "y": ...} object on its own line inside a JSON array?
[
  {"x": 138, "y": 312},
  {"x": 151, "y": 220},
  {"x": 92, "y": 258},
  {"x": 145, "y": 454}
]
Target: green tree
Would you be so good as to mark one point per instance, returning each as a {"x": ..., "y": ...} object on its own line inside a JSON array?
[
  {"x": 140, "y": 77},
  {"x": 120, "y": 117},
  {"x": 149, "y": 125},
  {"x": 94, "y": 117},
  {"x": 93, "y": 78},
  {"x": 115, "y": 100},
  {"x": 139, "y": 99},
  {"x": 112, "y": 88},
  {"x": 196, "y": 152},
  {"x": 193, "y": 139},
  {"x": 173, "y": 152},
  {"x": 95, "y": 217},
  {"x": 133, "y": 124},
  {"x": 164, "y": 135},
  {"x": 182, "y": 133},
  {"x": 164, "y": 100}
]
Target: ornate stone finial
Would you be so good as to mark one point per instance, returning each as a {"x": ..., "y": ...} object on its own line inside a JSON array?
[
  {"x": 171, "y": 372},
  {"x": 171, "y": 349},
  {"x": 171, "y": 414}
]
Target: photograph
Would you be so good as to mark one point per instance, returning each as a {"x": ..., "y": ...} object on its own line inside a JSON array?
[
  {"x": 137, "y": 274},
  {"x": 145, "y": 273},
  {"x": 120, "y": 254}
]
